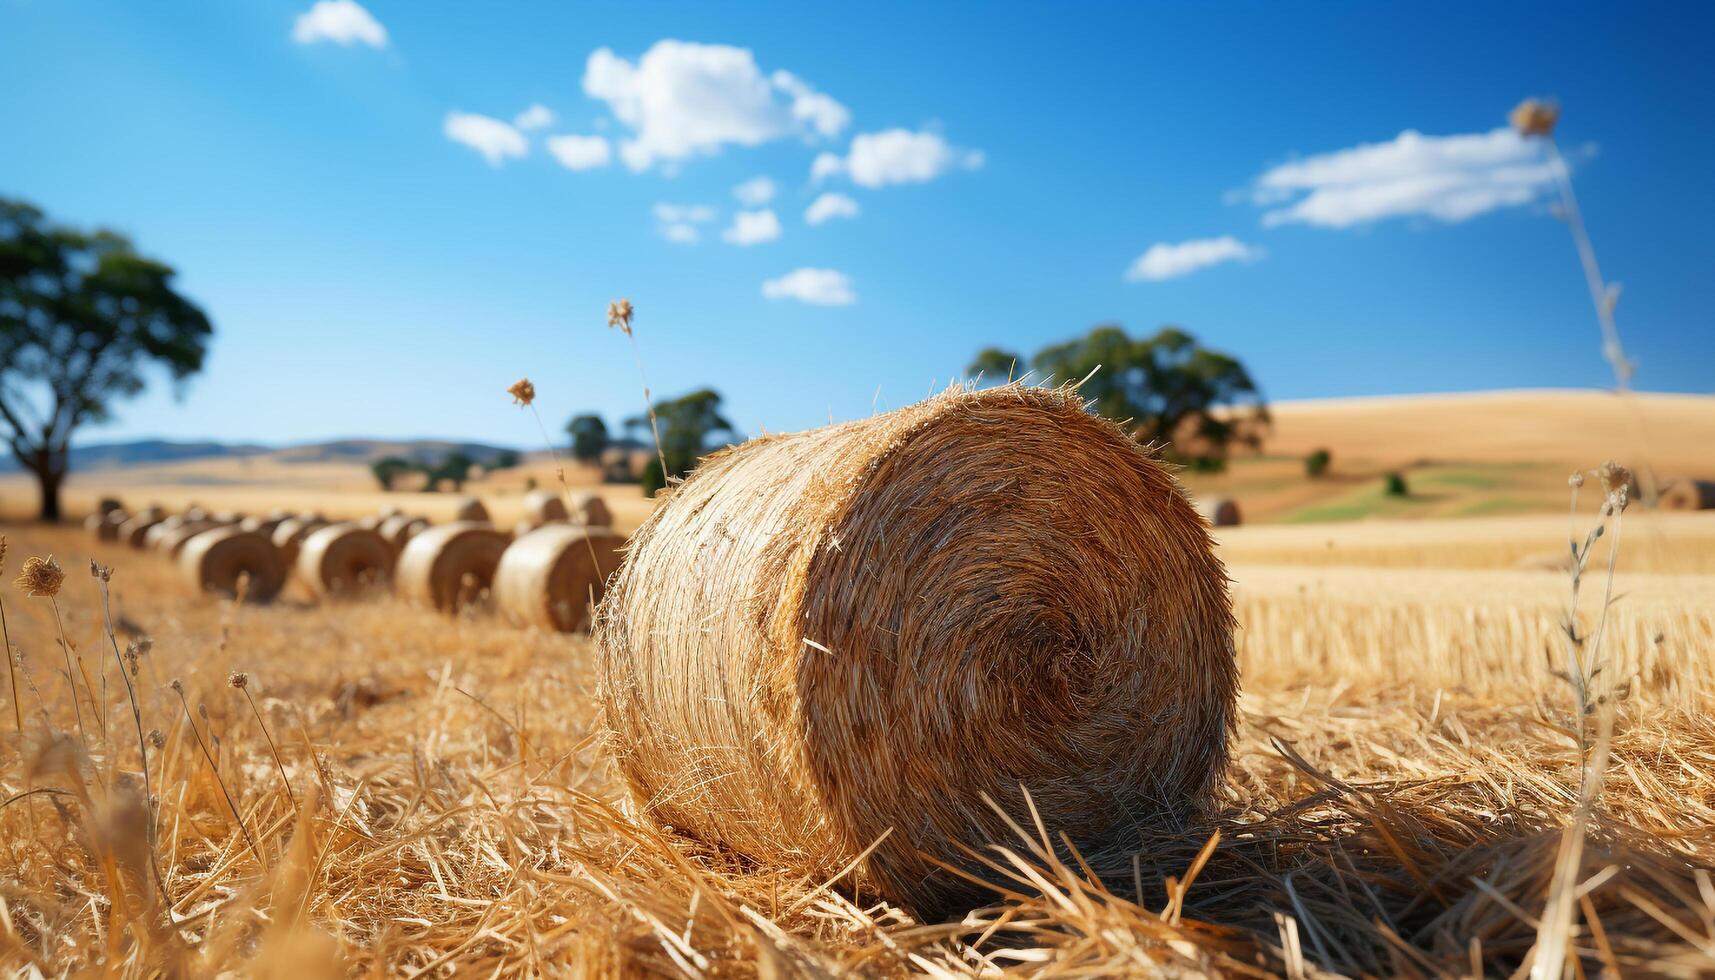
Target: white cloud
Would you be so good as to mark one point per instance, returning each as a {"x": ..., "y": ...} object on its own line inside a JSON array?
[
  {"x": 494, "y": 139},
  {"x": 684, "y": 213},
  {"x": 340, "y": 21},
  {"x": 1164, "y": 260},
  {"x": 538, "y": 116},
  {"x": 895, "y": 156},
  {"x": 682, "y": 99},
  {"x": 829, "y": 206},
  {"x": 1449, "y": 178},
  {"x": 753, "y": 228},
  {"x": 755, "y": 192},
  {"x": 681, "y": 233},
  {"x": 819, "y": 287},
  {"x": 580, "y": 152}
]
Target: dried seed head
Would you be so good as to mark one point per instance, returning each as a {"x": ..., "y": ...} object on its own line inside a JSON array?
[
  {"x": 522, "y": 391},
  {"x": 1534, "y": 117},
  {"x": 202, "y": 711},
  {"x": 1576, "y": 480},
  {"x": 1614, "y": 477},
  {"x": 619, "y": 315},
  {"x": 3, "y": 547},
  {"x": 156, "y": 739},
  {"x": 100, "y": 571},
  {"x": 41, "y": 577},
  {"x": 178, "y": 686},
  {"x": 238, "y": 679}
]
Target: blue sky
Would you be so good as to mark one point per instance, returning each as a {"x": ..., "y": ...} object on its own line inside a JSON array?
[{"x": 1011, "y": 166}]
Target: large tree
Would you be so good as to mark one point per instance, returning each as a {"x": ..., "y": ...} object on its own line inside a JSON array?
[
  {"x": 1167, "y": 389},
  {"x": 687, "y": 425},
  {"x": 589, "y": 437},
  {"x": 82, "y": 318}
]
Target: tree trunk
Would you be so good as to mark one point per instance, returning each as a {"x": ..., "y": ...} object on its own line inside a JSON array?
[{"x": 50, "y": 483}]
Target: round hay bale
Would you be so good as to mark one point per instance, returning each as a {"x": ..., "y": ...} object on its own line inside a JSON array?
[
  {"x": 152, "y": 537},
  {"x": 400, "y": 529},
  {"x": 522, "y": 528},
  {"x": 217, "y": 559},
  {"x": 262, "y": 525},
  {"x": 103, "y": 526},
  {"x": 1685, "y": 494},
  {"x": 370, "y": 522},
  {"x": 290, "y": 533},
  {"x": 471, "y": 509},
  {"x": 1219, "y": 511},
  {"x": 107, "y": 505},
  {"x": 194, "y": 513},
  {"x": 227, "y": 518},
  {"x": 553, "y": 576},
  {"x": 342, "y": 560},
  {"x": 449, "y": 566},
  {"x": 824, "y": 636},
  {"x": 545, "y": 507},
  {"x": 389, "y": 510},
  {"x": 172, "y": 542},
  {"x": 135, "y": 528},
  {"x": 590, "y": 510}
]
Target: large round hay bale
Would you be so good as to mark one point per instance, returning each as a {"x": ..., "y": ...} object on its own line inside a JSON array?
[
  {"x": 137, "y": 526},
  {"x": 451, "y": 565},
  {"x": 343, "y": 560},
  {"x": 590, "y": 510},
  {"x": 172, "y": 542},
  {"x": 290, "y": 533},
  {"x": 545, "y": 507},
  {"x": 826, "y": 636},
  {"x": 1685, "y": 494},
  {"x": 553, "y": 576},
  {"x": 399, "y": 529},
  {"x": 217, "y": 559},
  {"x": 1219, "y": 511},
  {"x": 471, "y": 509}
]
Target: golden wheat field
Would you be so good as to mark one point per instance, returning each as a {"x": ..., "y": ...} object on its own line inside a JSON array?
[{"x": 366, "y": 788}]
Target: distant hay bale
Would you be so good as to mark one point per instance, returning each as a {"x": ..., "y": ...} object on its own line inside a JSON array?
[
  {"x": 107, "y": 505},
  {"x": 544, "y": 507},
  {"x": 137, "y": 526},
  {"x": 264, "y": 525},
  {"x": 227, "y": 518},
  {"x": 389, "y": 510},
  {"x": 217, "y": 559},
  {"x": 104, "y": 525},
  {"x": 471, "y": 509},
  {"x": 340, "y": 561},
  {"x": 590, "y": 510},
  {"x": 399, "y": 529},
  {"x": 824, "y": 636},
  {"x": 448, "y": 566},
  {"x": 554, "y": 575},
  {"x": 290, "y": 533},
  {"x": 1219, "y": 511},
  {"x": 1686, "y": 494},
  {"x": 523, "y": 527},
  {"x": 172, "y": 542},
  {"x": 194, "y": 513},
  {"x": 370, "y": 522}
]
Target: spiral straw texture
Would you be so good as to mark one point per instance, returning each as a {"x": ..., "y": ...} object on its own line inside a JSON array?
[
  {"x": 217, "y": 559},
  {"x": 449, "y": 566},
  {"x": 826, "y": 636},
  {"x": 554, "y": 575},
  {"x": 544, "y": 507},
  {"x": 341, "y": 561}
]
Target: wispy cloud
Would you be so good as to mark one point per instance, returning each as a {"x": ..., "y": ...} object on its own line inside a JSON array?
[
  {"x": 1448, "y": 178},
  {"x": 755, "y": 192},
  {"x": 753, "y": 227},
  {"x": 495, "y": 139},
  {"x": 340, "y": 21},
  {"x": 830, "y": 205},
  {"x": 818, "y": 287},
  {"x": 1165, "y": 260},
  {"x": 895, "y": 156},
  {"x": 685, "y": 213},
  {"x": 538, "y": 116},
  {"x": 580, "y": 152}
]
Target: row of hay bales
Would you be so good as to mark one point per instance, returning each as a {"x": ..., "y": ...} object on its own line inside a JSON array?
[{"x": 547, "y": 571}]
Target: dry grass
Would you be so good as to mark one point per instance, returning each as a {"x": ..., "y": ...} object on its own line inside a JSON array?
[{"x": 1402, "y": 772}]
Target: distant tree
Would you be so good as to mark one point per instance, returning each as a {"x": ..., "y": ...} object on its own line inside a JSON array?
[
  {"x": 687, "y": 424},
  {"x": 1394, "y": 484},
  {"x": 390, "y": 468},
  {"x": 82, "y": 315},
  {"x": 454, "y": 468},
  {"x": 995, "y": 365},
  {"x": 589, "y": 437},
  {"x": 1167, "y": 389},
  {"x": 506, "y": 459},
  {"x": 1316, "y": 463},
  {"x": 650, "y": 481}
]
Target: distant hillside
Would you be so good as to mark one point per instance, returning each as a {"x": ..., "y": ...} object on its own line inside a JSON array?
[{"x": 155, "y": 452}]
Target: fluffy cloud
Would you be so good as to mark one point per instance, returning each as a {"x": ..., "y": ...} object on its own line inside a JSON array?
[
  {"x": 580, "y": 152},
  {"x": 895, "y": 156},
  {"x": 682, "y": 99},
  {"x": 755, "y": 192},
  {"x": 1449, "y": 178},
  {"x": 829, "y": 206},
  {"x": 494, "y": 139},
  {"x": 681, "y": 233},
  {"x": 684, "y": 213},
  {"x": 753, "y": 228},
  {"x": 1164, "y": 260},
  {"x": 538, "y": 116},
  {"x": 340, "y": 21},
  {"x": 819, "y": 287}
]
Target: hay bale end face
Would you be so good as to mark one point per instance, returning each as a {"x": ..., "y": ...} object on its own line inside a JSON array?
[
  {"x": 289, "y": 535},
  {"x": 1220, "y": 511},
  {"x": 1684, "y": 494},
  {"x": 544, "y": 507},
  {"x": 471, "y": 509},
  {"x": 590, "y": 510},
  {"x": 343, "y": 561},
  {"x": 399, "y": 529},
  {"x": 219, "y": 559},
  {"x": 901, "y": 614},
  {"x": 450, "y": 566},
  {"x": 553, "y": 576}
]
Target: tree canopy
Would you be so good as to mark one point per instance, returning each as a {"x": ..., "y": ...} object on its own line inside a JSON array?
[
  {"x": 589, "y": 437},
  {"x": 687, "y": 425},
  {"x": 83, "y": 316}
]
